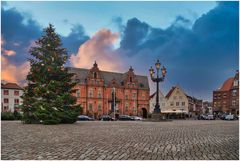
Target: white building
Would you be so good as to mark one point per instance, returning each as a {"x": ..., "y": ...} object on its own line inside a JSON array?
[
  {"x": 10, "y": 96},
  {"x": 162, "y": 101},
  {"x": 177, "y": 101}
]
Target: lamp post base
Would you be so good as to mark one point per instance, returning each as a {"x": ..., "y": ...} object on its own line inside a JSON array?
[{"x": 158, "y": 117}]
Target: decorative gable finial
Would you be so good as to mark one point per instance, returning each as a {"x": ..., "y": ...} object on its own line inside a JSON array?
[
  {"x": 131, "y": 69},
  {"x": 95, "y": 64}
]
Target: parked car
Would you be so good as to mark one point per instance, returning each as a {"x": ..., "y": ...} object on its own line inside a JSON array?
[
  {"x": 222, "y": 117},
  {"x": 209, "y": 117},
  {"x": 202, "y": 117},
  {"x": 85, "y": 118},
  {"x": 229, "y": 117},
  {"x": 106, "y": 118},
  {"x": 137, "y": 118},
  {"x": 125, "y": 118},
  {"x": 236, "y": 117}
]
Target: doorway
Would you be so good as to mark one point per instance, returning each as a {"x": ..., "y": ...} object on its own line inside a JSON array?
[{"x": 144, "y": 113}]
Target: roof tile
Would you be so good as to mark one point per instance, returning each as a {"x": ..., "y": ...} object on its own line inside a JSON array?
[
  {"x": 11, "y": 86},
  {"x": 82, "y": 73}
]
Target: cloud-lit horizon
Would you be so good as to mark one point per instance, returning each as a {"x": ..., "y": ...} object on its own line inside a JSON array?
[{"x": 199, "y": 54}]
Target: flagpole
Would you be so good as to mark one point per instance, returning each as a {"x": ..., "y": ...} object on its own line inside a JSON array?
[
  {"x": 107, "y": 104},
  {"x": 114, "y": 102}
]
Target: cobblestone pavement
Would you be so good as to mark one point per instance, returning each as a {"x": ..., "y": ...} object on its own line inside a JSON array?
[{"x": 183, "y": 139}]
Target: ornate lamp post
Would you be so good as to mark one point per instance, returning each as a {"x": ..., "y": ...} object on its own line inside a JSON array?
[{"x": 157, "y": 80}]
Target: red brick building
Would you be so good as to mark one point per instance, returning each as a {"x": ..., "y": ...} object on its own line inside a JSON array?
[
  {"x": 227, "y": 97},
  {"x": 95, "y": 92}
]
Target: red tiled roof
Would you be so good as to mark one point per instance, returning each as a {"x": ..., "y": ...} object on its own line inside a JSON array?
[
  {"x": 170, "y": 92},
  {"x": 227, "y": 85},
  {"x": 11, "y": 86}
]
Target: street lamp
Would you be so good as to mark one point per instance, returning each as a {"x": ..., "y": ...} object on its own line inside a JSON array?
[
  {"x": 114, "y": 102},
  {"x": 157, "y": 80}
]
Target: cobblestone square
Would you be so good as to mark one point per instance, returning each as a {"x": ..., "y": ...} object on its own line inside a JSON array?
[{"x": 179, "y": 139}]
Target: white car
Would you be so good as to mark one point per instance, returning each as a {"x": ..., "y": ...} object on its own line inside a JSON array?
[
  {"x": 209, "y": 117},
  {"x": 229, "y": 117},
  {"x": 136, "y": 118}
]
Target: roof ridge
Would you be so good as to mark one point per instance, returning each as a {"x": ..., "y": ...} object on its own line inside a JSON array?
[
  {"x": 11, "y": 85},
  {"x": 107, "y": 71},
  {"x": 170, "y": 92}
]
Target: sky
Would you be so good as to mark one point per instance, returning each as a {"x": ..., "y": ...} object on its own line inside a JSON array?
[{"x": 196, "y": 41}]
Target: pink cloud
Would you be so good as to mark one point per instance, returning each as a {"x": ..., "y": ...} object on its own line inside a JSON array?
[
  {"x": 13, "y": 73},
  {"x": 9, "y": 52},
  {"x": 4, "y": 51},
  {"x": 99, "y": 48}
]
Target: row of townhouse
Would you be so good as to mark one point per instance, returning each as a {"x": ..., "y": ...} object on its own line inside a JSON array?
[{"x": 177, "y": 102}]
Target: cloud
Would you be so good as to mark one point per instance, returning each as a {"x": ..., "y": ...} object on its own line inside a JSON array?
[
  {"x": 198, "y": 58},
  {"x": 18, "y": 35},
  {"x": 15, "y": 32},
  {"x": 9, "y": 52},
  {"x": 198, "y": 55},
  {"x": 134, "y": 34},
  {"x": 13, "y": 73},
  {"x": 118, "y": 22},
  {"x": 76, "y": 37},
  {"x": 4, "y": 51},
  {"x": 99, "y": 48}
]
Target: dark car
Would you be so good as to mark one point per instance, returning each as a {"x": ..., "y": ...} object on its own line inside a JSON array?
[
  {"x": 84, "y": 118},
  {"x": 236, "y": 117},
  {"x": 125, "y": 118},
  {"x": 106, "y": 118}
]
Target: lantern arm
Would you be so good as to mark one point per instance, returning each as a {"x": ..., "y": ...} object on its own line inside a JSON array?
[
  {"x": 154, "y": 79},
  {"x": 160, "y": 79}
]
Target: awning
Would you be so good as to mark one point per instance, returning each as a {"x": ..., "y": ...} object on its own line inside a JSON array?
[{"x": 174, "y": 112}]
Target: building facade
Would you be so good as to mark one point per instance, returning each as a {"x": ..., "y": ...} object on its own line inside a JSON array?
[
  {"x": 98, "y": 92},
  {"x": 11, "y": 97},
  {"x": 177, "y": 101},
  {"x": 162, "y": 102},
  {"x": 226, "y": 99},
  {"x": 195, "y": 106}
]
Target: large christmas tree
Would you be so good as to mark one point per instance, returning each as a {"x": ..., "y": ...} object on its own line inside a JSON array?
[{"x": 47, "y": 98}]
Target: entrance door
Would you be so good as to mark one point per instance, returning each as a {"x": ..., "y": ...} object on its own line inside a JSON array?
[{"x": 144, "y": 113}]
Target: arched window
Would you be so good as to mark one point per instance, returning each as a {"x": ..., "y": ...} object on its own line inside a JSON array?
[{"x": 131, "y": 79}]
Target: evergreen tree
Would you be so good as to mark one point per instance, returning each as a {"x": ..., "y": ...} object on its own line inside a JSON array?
[{"x": 47, "y": 97}]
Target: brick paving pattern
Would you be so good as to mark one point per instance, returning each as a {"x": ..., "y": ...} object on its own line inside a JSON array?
[{"x": 183, "y": 140}]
